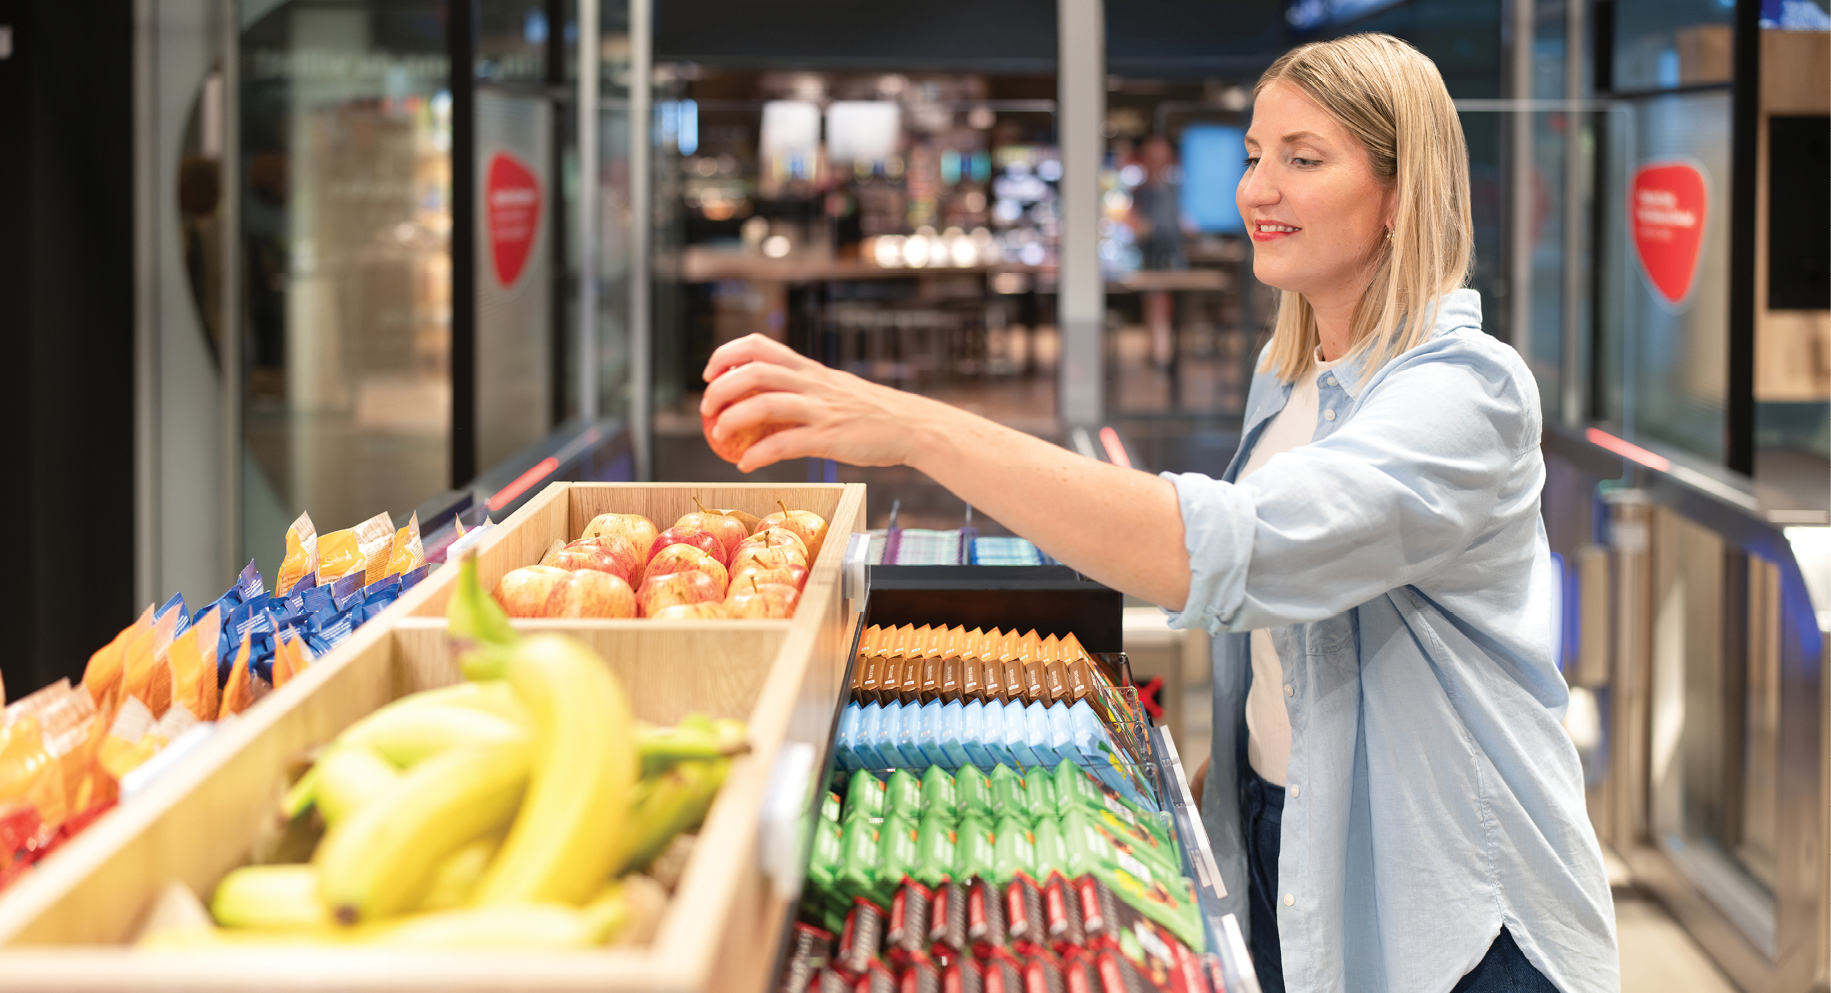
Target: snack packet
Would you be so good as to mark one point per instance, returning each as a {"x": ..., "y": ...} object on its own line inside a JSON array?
[
  {"x": 191, "y": 659},
  {"x": 103, "y": 673},
  {"x": 353, "y": 553},
  {"x": 301, "y": 561},
  {"x": 128, "y": 744},
  {"x": 236, "y": 693},
  {"x": 407, "y": 553}
]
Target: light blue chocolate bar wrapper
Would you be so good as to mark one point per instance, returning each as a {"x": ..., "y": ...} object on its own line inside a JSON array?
[
  {"x": 1061, "y": 734},
  {"x": 864, "y": 737},
  {"x": 972, "y": 734},
  {"x": 1017, "y": 737},
  {"x": 1036, "y": 734},
  {"x": 953, "y": 735},
  {"x": 844, "y": 751},
  {"x": 930, "y": 738}
]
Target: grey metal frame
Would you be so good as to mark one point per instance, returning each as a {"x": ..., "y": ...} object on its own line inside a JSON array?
[{"x": 1080, "y": 292}]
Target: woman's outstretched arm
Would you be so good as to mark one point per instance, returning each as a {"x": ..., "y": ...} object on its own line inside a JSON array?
[{"x": 1119, "y": 526}]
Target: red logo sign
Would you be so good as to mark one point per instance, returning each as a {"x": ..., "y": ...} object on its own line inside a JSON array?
[
  {"x": 511, "y": 199},
  {"x": 1667, "y": 204}
]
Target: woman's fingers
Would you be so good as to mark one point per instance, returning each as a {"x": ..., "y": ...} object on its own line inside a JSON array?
[
  {"x": 792, "y": 443},
  {"x": 753, "y": 348},
  {"x": 741, "y": 381},
  {"x": 764, "y": 408}
]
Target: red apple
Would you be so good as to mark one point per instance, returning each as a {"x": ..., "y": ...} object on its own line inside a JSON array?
[
  {"x": 729, "y": 530},
  {"x": 809, "y": 525},
  {"x": 606, "y": 553},
  {"x": 705, "y": 541},
  {"x": 705, "y": 610},
  {"x": 773, "y": 537},
  {"x": 792, "y": 575},
  {"x": 682, "y": 558},
  {"x": 732, "y": 447},
  {"x": 773, "y": 557},
  {"x": 590, "y": 593},
  {"x": 639, "y": 531},
  {"x": 762, "y": 600},
  {"x": 750, "y": 521},
  {"x": 665, "y": 589},
  {"x": 523, "y": 592}
]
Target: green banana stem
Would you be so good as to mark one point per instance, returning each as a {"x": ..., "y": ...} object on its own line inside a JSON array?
[{"x": 475, "y": 615}]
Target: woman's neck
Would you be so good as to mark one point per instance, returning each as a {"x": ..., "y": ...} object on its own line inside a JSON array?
[{"x": 1334, "y": 325}]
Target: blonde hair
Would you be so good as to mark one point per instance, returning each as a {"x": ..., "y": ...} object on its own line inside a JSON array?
[{"x": 1391, "y": 98}]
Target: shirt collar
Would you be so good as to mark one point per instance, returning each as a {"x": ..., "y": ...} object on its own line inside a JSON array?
[{"x": 1455, "y": 309}]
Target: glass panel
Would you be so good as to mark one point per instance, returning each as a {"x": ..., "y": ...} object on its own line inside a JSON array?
[
  {"x": 1660, "y": 44},
  {"x": 614, "y": 217},
  {"x": 346, "y": 155}
]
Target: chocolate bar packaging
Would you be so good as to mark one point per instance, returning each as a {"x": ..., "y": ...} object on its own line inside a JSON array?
[{"x": 861, "y": 940}]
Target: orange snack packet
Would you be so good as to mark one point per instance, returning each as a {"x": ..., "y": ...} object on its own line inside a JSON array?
[
  {"x": 301, "y": 555},
  {"x": 341, "y": 553},
  {"x": 192, "y": 661},
  {"x": 29, "y": 774},
  {"x": 282, "y": 662},
  {"x": 236, "y": 694},
  {"x": 407, "y": 553},
  {"x": 103, "y": 673},
  {"x": 129, "y": 742}
]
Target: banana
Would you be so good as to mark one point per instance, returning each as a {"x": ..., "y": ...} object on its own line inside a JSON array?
[
  {"x": 492, "y": 696},
  {"x": 269, "y": 896},
  {"x": 478, "y": 625},
  {"x": 410, "y": 735},
  {"x": 696, "y": 737},
  {"x": 380, "y": 860},
  {"x": 674, "y": 801},
  {"x": 571, "y": 828},
  {"x": 349, "y": 777},
  {"x": 456, "y": 878}
]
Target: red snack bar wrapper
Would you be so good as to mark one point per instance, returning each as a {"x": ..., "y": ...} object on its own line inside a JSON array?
[
  {"x": 1024, "y": 923},
  {"x": 808, "y": 952},
  {"x": 1042, "y": 973},
  {"x": 829, "y": 981},
  {"x": 907, "y": 933},
  {"x": 985, "y": 918},
  {"x": 1118, "y": 975},
  {"x": 1111, "y": 923},
  {"x": 963, "y": 975},
  {"x": 947, "y": 921},
  {"x": 920, "y": 976},
  {"x": 1062, "y": 915},
  {"x": 1078, "y": 972},
  {"x": 877, "y": 979},
  {"x": 861, "y": 939},
  {"x": 1003, "y": 974}
]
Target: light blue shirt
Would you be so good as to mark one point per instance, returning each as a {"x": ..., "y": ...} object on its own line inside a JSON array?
[{"x": 1400, "y": 561}]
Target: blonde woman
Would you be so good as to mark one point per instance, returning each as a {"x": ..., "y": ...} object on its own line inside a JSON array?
[{"x": 1390, "y": 795}]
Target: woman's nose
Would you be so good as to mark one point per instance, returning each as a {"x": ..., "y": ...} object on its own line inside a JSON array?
[{"x": 1257, "y": 188}]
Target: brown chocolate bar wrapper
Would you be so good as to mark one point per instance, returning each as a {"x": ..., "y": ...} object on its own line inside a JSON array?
[
  {"x": 1034, "y": 689},
  {"x": 1055, "y": 682},
  {"x": 871, "y": 671},
  {"x": 950, "y": 679},
  {"x": 912, "y": 681},
  {"x": 929, "y": 686},
  {"x": 1014, "y": 684},
  {"x": 907, "y": 932},
  {"x": 890, "y": 685},
  {"x": 860, "y": 941},
  {"x": 972, "y": 684},
  {"x": 1080, "y": 684}
]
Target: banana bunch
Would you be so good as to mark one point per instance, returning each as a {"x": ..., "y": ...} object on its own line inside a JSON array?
[{"x": 515, "y": 810}]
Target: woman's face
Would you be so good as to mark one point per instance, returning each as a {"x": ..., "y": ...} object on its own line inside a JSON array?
[{"x": 1315, "y": 210}]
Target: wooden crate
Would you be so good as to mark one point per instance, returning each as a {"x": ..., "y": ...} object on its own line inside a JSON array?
[{"x": 63, "y": 926}]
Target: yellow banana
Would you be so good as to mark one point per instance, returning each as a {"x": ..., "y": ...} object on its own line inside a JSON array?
[
  {"x": 410, "y": 735},
  {"x": 695, "y": 737},
  {"x": 674, "y": 801},
  {"x": 380, "y": 860},
  {"x": 269, "y": 896},
  {"x": 571, "y": 827},
  {"x": 348, "y": 778},
  {"x": 492, "y": 696},
  {"x": 456, "y": 878}
]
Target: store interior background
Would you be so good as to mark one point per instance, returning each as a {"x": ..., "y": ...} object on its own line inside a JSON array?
[{"x": 879, "y": 186}]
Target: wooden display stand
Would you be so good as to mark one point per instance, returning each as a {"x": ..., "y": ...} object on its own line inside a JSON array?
[{"x": 64, "y": 925}]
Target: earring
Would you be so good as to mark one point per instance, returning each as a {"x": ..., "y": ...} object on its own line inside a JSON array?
[{"x": 1388, "y": 234}]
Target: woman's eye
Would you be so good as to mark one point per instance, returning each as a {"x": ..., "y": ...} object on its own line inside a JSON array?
[
  {"x": 1252, "y": 160},
  {"x": 1303, "y": 163}
]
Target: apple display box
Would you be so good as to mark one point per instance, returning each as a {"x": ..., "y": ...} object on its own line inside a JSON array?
[{"x": 67, "y": 924}]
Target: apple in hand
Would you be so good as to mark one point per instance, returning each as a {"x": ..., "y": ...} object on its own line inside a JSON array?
[
  {"x": 762, "y": 600},
  {"x": 687, "y": 558},
  {"x": 809, "y": 525},
  {"x": 792, "y": 575},
  {"x": 523, "y": 592},
  {"x": 606, "y": 553},
  {"x": 666, "y": 589},
  {"x": 590, "y": 593},
  {"x": 774, "y": 537},
  {"x": 729, "y": 530},
  {"x": 705, "y": 541},
  {"x": 773, "y": 557},
  {"x": 639, "y": 531},
  {"x": 705, "y": 610},
  {"x": 732, "y": 447}
]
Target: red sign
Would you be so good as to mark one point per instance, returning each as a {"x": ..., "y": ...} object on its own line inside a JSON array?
[
  {"x": 511, "y": 199},
  {"x": 1667, "y": 204}
]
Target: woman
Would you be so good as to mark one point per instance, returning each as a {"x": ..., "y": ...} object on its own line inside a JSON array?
[{"x": 1390, "y": 795}]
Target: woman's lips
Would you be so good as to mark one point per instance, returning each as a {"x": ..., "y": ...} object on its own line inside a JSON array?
[{"x": 1271, "y": 231}]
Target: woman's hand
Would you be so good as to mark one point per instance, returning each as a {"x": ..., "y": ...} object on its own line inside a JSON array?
[{"x": 756, "y": 381}]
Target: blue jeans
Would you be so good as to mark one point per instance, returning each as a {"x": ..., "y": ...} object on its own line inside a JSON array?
[{"x": 1503, "y": 970}]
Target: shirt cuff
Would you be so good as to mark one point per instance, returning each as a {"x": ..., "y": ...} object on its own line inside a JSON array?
[{"x": 1218, "y": 519}]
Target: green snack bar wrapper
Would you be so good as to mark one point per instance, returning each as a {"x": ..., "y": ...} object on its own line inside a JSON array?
[
  {"x": 1142, "y": 843},
  {"x": 1013, "y": 848},
  {"x": 973, "y": 791},
  {"x": 1084, "y": 847},
  {"x": 864, "y": 795},
  {"x": 975, "y": 849},
  {"x": 830, "y": 807},
  {"x": 1039, "y": 795},
  {"x": 1051, "y": 850},
  {"x": 1008, "y": 793},
  {"x": 823, "y": 864},
  {"x": 858, "y": 859},
  {"x": 935, "y": 844},
  {"x": 903, "y": 795},
  {"x": 938, "y": 793},
  {"x": 897, "y": 851},
  {"x": 1076, "y": 788}
]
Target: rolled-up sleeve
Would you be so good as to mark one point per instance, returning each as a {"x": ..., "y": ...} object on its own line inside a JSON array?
[{"x": 1430, "y": 460}]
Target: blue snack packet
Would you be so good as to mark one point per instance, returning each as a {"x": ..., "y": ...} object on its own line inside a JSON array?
[
  {"x": 1061, "y": 734},
  {"x": 1089, "y": 734},
  {"x": 909, "y": 737},
  {"x": 249, "y": 585},
  {"x": 953, "y": 735},
  {"x": 1017, "y": 736},
  {"x": 890, "y": 737},
  {"x": 346, "y": 587},
  {"x": 411, "y": 579},
  {"x": 972, "y": 734},
  {"x": 992, "y": 735},
  {"x": 843, "y": 754},
  {"x": 864, "y": 736},
  {"x": 1036, "y": 734},
  {"x": 316, "y": 598},
  {"x": 930, "y": 736}
]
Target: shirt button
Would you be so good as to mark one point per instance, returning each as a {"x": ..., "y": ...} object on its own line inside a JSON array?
[
  {"x": 1289, "y": 899},
  {"x": 1332, "y": 381},
  {"x": 1328, "y": 415},
  {"x": 1296, "y": 791},
  {"x": 1290, "y": 690}
]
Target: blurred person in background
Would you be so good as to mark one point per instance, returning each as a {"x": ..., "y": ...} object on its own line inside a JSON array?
[{"x": 1390, "y": 796}]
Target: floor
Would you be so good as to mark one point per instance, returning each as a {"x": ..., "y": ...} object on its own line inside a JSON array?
[{"x": 1657, "y": 956}]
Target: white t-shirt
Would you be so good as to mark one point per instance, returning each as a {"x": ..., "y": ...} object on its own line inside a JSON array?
[{"x": 1268, "y": 724}]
